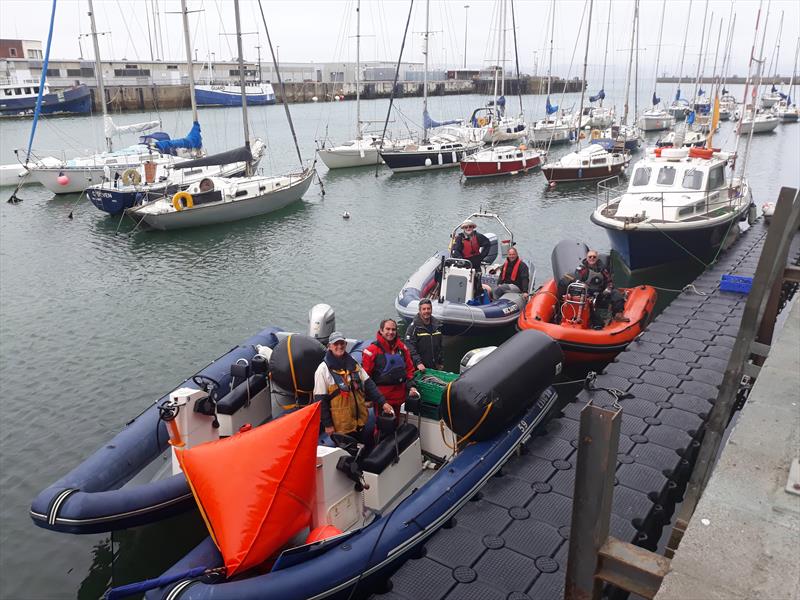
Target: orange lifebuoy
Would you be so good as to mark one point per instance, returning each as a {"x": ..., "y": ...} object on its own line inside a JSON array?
[
  {"x": 695, "y": 152},
  {"x": 657, "y": 152},
  {"x": 182, "y": 200}
]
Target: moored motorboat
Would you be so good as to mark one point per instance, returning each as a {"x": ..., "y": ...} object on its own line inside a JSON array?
[
  {"x": 574, "y": 320},
  {"x": 450, "y": 284},
  {"x": 591, "y": 162},
  {"x": 501, "y": 160},
  {"x": 679, "y": 203},
  {"x": 258, "y": 94},
  {"x": 369, "y": 514},
  {"x": 18, "y": 98}
]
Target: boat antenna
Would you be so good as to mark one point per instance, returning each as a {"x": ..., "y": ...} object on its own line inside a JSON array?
[
  {"x": 658, "y": 50},
  {"x": 425, "y": 74},
  {"x": 585, "y": 63},
  {"x": 280, "y": 84},
  {"x": 516, "y": 57},
  {"x": 394, "y": 84},
  {"x": 101, "y": 88},
  {"x": 245, "y": 124},
  {"x": 189, "y": 63}
]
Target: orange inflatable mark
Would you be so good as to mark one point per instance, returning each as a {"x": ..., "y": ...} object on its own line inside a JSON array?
[{"x": 255, "y": 489}]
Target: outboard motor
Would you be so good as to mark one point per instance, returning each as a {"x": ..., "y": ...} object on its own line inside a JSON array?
[
  {"x": 487, "y": 397},
  {"x": 321, "y": 322},
  {"x": 473, "y": 357},
  {"x": 567, "y": 256}
]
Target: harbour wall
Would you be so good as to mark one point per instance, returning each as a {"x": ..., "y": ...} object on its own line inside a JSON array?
[
  {"x": 728, "y": 80},
  {"x": 121, "y": 98}
]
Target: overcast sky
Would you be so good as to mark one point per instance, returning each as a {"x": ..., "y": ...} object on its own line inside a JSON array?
[{"x": 307, "y": 30}]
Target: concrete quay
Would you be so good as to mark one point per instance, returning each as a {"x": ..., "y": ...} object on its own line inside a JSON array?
[{"x": 744, "y": 538}]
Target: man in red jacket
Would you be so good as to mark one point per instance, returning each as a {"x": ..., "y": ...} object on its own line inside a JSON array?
[{"x": 388, "y": 362}]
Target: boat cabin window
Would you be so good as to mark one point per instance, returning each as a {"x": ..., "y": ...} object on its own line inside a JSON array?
[
  {"x": 8, "y": 92},
  {"x": 692, "y": 179},
  {"x": 599, "y": 161},
  {"x": 686, "y": 210},
  {"x": 641, "y": 176},
  {"x": 666, "y": 176},
  {"x": 716, "y": 177}
]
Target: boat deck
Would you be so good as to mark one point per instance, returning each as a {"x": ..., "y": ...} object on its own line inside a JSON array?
[{"x": 510, "y": 541}]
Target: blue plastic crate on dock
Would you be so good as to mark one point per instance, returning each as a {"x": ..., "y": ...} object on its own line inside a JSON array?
[{"x": 736, "y": 283}]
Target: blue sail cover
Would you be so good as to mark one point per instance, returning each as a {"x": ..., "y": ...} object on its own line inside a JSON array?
[
  {"x": 549, "y": 107},
  {"x": 678, "y": 95},
  {"x": 774, "y": 89},
  {"x": 429, "y": 123},
  {"x": 700, "y": 92},
  {"x": 725, "y": 92},
  {"x": 600, "y": 96},
  {"x": 782, "y": 95},
  {"x": 192, "y": 140},
  {"x": 501, "y": 101},
  {"x": 690, "y": 118},
  {"x": 656, "y": 99}
]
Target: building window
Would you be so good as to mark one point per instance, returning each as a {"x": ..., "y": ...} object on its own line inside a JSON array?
[
  {"x": 12, "y": 52},
  {"x": 131, "y": 66},
  {"x": 131, "y": 72},
  {"x": 34, "y": 53},
  {"x": 172, "y": 67},
  {"x": 54, "y": 72}
]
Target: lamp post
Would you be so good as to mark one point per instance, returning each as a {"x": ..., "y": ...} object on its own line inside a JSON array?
[{"x": 466, "y": 20}]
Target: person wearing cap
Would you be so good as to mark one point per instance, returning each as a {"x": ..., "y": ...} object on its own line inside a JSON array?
[
  {"x": 474, "y": 247},
  {"x": 424, "y": 338},
  {"x": 596, "y": 275},
  {"x": 346, "y": 393},
  {"x": 387, "y": 361}
]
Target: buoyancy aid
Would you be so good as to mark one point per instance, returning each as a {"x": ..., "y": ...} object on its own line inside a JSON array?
[
  {"x": 348, "y": 407},
  {"x": 470, "y": 246},
  {"x": 514, "y": 270},
  {"x": 390, "y": 367},
  {"x": 595, "y": 278}
]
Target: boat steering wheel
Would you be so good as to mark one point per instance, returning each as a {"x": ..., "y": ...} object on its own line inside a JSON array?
[
  {"x": 346, "y": 442},
  {"x": 205, "y": 383}
]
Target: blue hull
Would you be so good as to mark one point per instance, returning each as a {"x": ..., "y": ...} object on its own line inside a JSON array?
[
  {"x": 77, "y": 100},
  {"x": 367, "y": 557},
  {"x": 644, "y": 249},
  {"x": 608, "y": 144},
  {"x": 115, "y": 202},
  {"x": 213, "y": 98},
  {"x": 92, "y": 498}
]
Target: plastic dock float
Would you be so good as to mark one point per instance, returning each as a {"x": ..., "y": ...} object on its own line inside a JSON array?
[{"x": 510, "y": 541}]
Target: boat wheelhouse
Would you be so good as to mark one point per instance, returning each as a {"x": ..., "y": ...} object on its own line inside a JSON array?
[
  {"x": 679, "y": 202},
  {"x": 18, "y": 98}
]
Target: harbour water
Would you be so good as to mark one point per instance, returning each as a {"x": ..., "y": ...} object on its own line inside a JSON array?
[{"x": 97, "y": 322}]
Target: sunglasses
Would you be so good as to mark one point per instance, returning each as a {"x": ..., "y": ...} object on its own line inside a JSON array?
[{"x": 592, "y": 256}]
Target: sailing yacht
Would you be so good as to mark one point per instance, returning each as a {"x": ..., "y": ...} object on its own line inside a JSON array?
[
  {"x": 214, "y": 200},
  {"x": 75, "y": 175},
  {"x": 657, "y": 118},
  {"x": 785, "y": 109},
  {"x": 446, "y": 148},
  {"x": 680, "y": 106}
]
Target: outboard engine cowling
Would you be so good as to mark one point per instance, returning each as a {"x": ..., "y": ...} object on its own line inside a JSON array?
[
  {"x": 293, "y": 363},
  {"x": 321, "y": 322},
  {"x": 488, "y": 396},
  {"x": 566, "y": 257},
  {"x": 473, "y": 357}
]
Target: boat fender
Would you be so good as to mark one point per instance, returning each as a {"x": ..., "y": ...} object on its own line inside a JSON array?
[
  {"x": 486, "y": 398},
  {"x": 324, "y": 532},
  {"x": 696, "y": 152},
  {"x": 182, "y": 200},
  {"x": 483, "y": 122},
  {"x": 293, "y": 363},
  {"x": 131, "y": 176},
  {"x": 596, "y": 134}
]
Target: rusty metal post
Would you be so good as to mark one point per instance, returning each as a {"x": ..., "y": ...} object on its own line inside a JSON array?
[
  {"x": 598, "y": 443},
  {"x": 784, "y": 224}
]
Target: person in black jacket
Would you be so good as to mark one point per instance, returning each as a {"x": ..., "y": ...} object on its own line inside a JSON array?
[
  {"x": 513, "y": 272},
  {"x": 597, "y": 277},
  {"x": 424, "y": 338},
  {"x": 474, "y": 247}
]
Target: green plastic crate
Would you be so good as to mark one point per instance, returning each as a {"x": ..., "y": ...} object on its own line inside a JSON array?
[{"x": 431, "y": 392}]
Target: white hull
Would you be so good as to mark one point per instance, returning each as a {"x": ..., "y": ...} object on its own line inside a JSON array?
[
  {"x": 759, "y": 126},
  {"x": 79, "y": 179},
  {"x": 342, "y": 157},
  {"x": 499, "y": 134},
  {"x": 227, "y": 211},
  {"x": 770, "y": 100},
  {"x": 656, "y": 122},
  {"x": 542, "y": 134}
]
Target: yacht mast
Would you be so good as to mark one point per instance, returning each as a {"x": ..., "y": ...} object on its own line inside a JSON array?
[
  {"x": 683, "y": 50},
  {"x": 503, "y": 49},
  {"x": 98, "y": 67},
  {"x": 248, "y": 168},
  {"x": 425, "y": 74},
  {"x": 759, "y": 62},
  {"x": 190, "y": 65},
  {"x": 497, "y": 60},
  {"x": 700, "y": 56},
  {"x": 358, "y": 70},
  {"x": 516, "y": 57},
  {"x": 550, "y": 60},
  {"x": 658, "y": 51},
  {"x": 630, "y": 63},
  {"x": 585, "y": 63},
  {"x": 605, "y": 54}
]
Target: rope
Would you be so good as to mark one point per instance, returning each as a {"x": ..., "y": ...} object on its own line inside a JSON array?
[
  {"x": 450, "y": 418},
  {"x": 688, "y": 287}
]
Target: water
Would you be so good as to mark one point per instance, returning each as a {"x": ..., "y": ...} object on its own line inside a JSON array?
[{"x": 96, "y": 322}]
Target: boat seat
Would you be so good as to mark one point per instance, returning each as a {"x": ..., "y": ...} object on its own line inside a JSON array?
[
  {"x": 241, "y": 394},
  {"x": 387, "y": 450},
  {"x": 493, "y": 249}
]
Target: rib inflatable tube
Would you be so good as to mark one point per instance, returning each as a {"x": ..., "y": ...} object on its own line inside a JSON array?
[
  {"x": 488, "y": 396},
  {"x": 293, "y": 363}
]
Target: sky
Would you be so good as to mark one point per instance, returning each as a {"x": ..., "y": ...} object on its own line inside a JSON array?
[{"x": 325, "y": 31}]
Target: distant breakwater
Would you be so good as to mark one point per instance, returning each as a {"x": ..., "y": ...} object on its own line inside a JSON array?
[{"x": 731, "y": 80}]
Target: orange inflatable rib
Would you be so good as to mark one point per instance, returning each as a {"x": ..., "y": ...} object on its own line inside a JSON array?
[
  {"x": 255, "y": 489},
  {"x": 579, "y": 341}
]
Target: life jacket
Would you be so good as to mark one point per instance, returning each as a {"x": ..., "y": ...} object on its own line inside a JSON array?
[
  {"x": 390, "y": 367},
  {"x": 348, "y": 407},
  {"x": 514, "y": 271},
  {"x": 595, "y": 278},
  {"x": 470, "y": 246}
]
